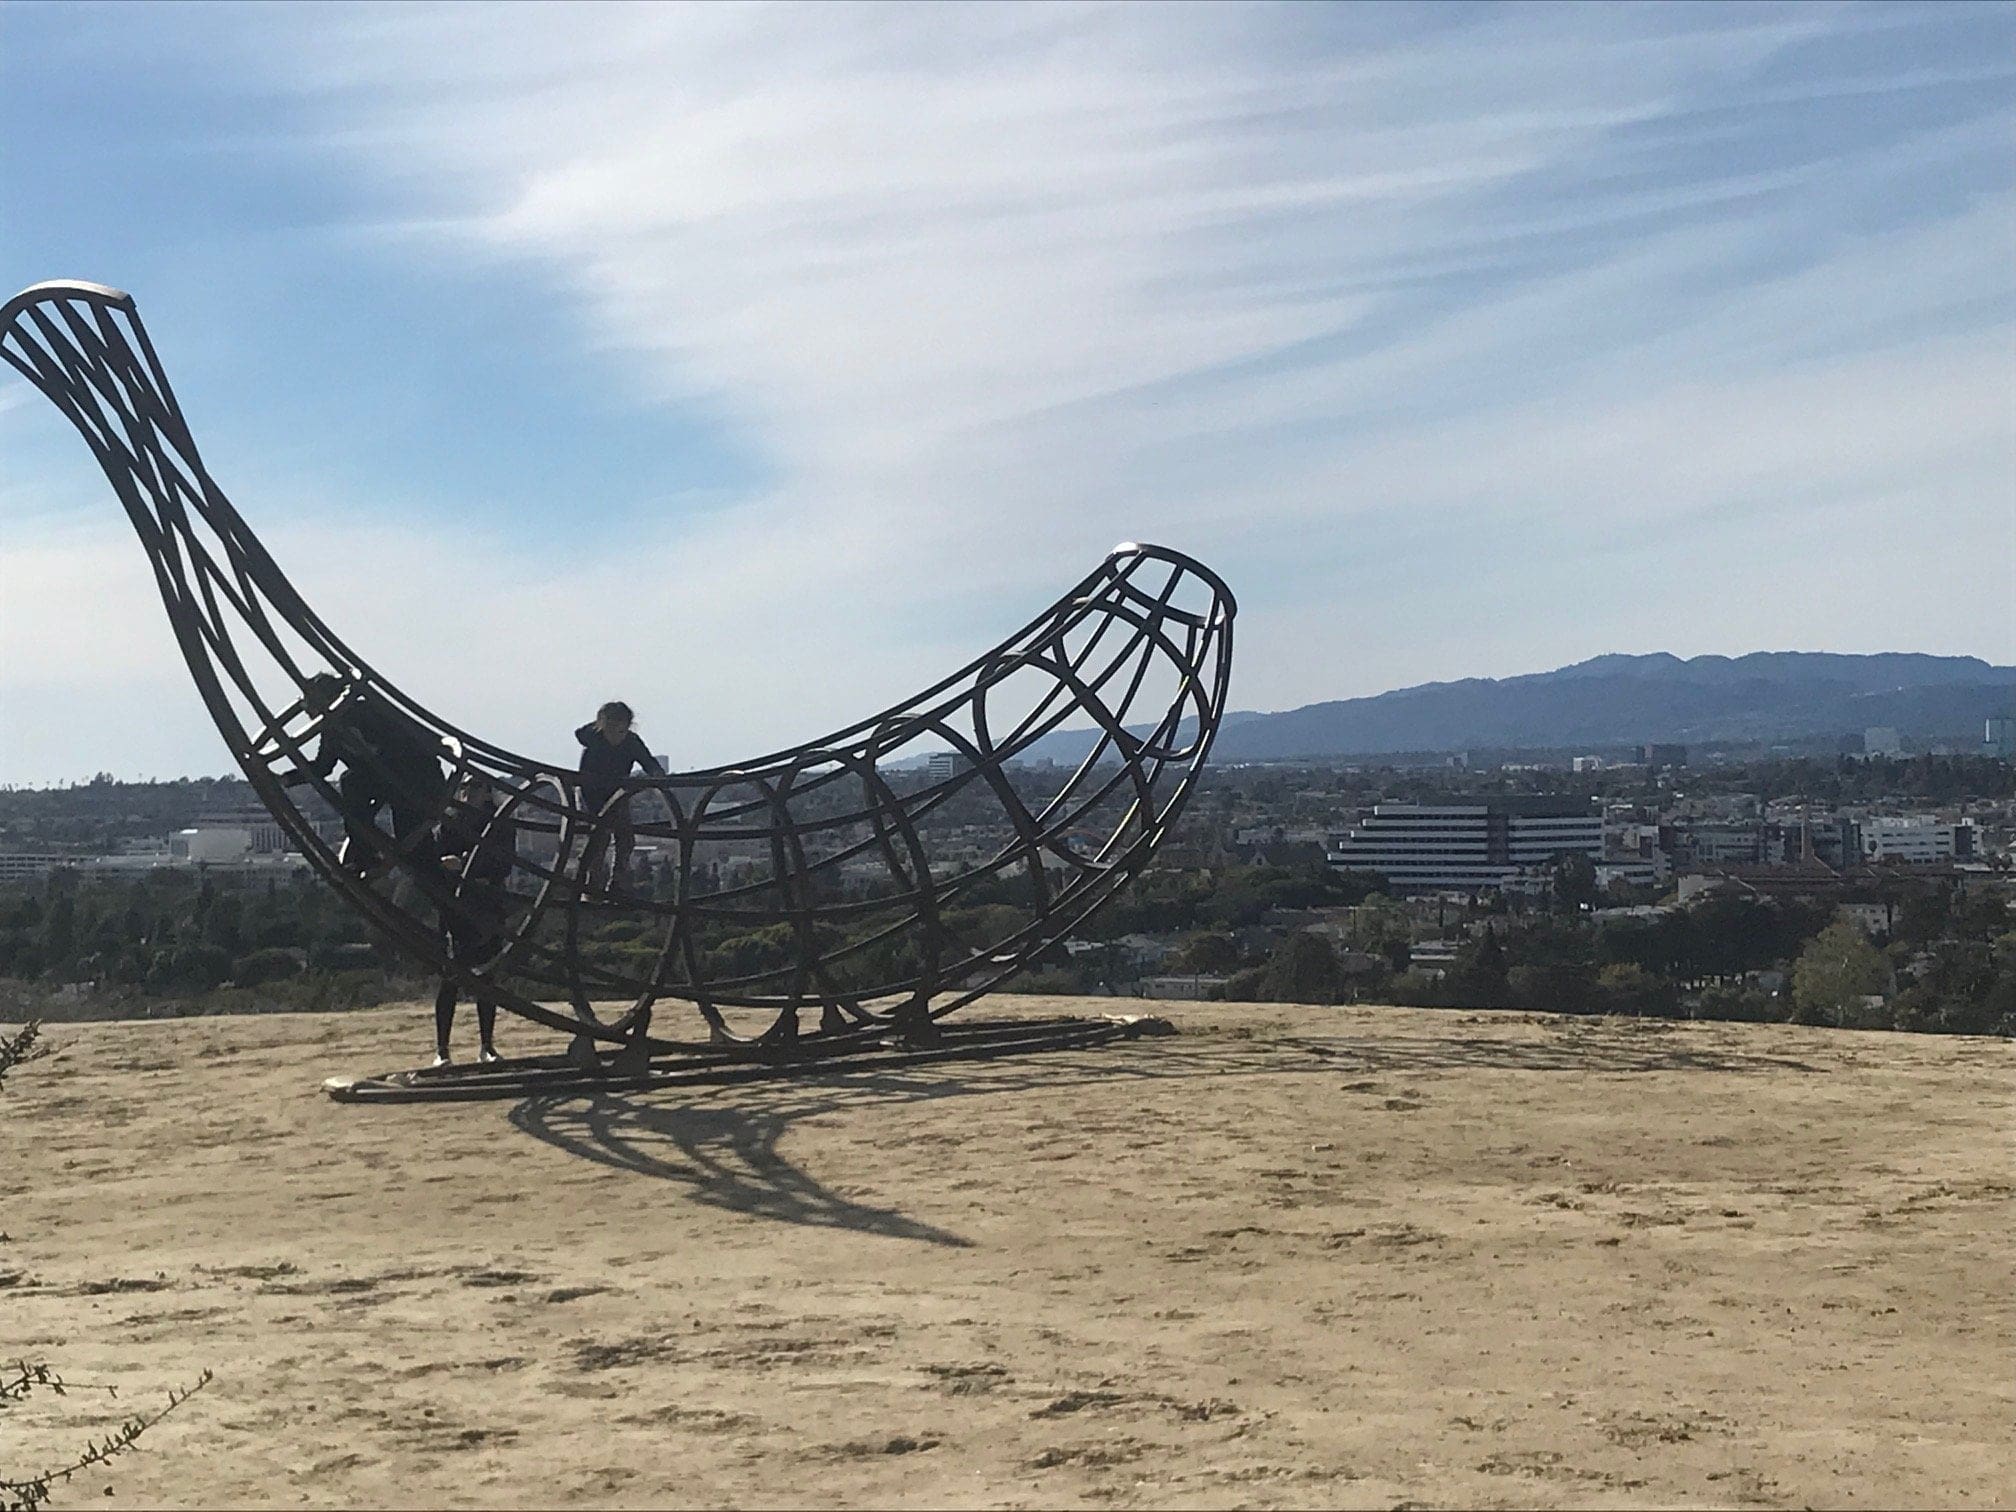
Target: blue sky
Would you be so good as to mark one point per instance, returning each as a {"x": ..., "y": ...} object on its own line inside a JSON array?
[{"x": 755, "y": 364}]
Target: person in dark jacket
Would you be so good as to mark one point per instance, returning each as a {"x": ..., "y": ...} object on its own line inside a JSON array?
[
  {"x": 610, "y": 751},
  {"x": 478, "y": 846},
  {"x": 388, "y": 760}
]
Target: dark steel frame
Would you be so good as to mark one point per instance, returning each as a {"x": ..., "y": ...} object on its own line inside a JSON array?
[{"x": 1145, "y": 619}]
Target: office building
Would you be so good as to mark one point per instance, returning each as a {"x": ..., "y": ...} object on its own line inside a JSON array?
[
  {"x": 1467, "y": 847},
  {"x": 214, "y": 842},
  {"x": 265, "y": 837},
  {"x": 1916, "y": 840},
  {"x": 945, "y": 765}
]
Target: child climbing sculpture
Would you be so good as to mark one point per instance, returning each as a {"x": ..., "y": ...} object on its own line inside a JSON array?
[
  {"x": 610, "y": 751},
  {"x": 388, "y": 760}
]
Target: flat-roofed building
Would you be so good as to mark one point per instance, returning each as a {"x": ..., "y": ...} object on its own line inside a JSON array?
[
  {"x": 265, "y": 837},
  {"x": 943, "y": 766},
  {"x": 1916, "y": 839},
  {"x": 27, "y": 866},
  {"x": 1715, "y": 843},
  {"x": 1421, "y": 847},
  {"x": 220, "y": 842}
]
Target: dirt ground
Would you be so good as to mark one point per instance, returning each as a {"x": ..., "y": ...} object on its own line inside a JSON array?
[{"x": 1288, "y": 1258}]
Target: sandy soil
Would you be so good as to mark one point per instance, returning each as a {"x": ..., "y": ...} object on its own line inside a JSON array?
[{"x": 1291, "y": 1257}]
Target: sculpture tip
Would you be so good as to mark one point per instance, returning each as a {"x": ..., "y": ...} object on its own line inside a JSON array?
[{"x": 65, "y": 288}]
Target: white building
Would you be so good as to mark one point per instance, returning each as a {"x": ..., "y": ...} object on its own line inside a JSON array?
[
  {"x": 1916, "y": 839},
  {"x": 943, "y": 766},
  {"x": 1427, "y": 847},
  {"x": 267, "y": 838},
  {"x": 217, "y": 842}
]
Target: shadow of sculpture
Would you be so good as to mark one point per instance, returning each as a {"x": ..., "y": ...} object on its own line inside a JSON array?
[
  {"x": 726, "y": 1155},
  {"x": 723, "y": 1145}
]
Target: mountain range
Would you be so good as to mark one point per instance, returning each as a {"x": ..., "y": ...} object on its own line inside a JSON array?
[{"x": 1767, "y": 697}]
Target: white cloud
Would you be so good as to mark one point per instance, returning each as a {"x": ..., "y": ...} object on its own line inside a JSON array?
[{"x": 999, "y": 286}]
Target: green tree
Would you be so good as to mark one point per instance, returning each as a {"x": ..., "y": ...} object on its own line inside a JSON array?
[
  {"x": 1836, "y": 971},
  {"x": 194, "y": 967},
  {"x": 1741, "y": 1004},
  {"x": 1574, "y": 879},
  {"x": 1968, "y": 988},
  {"x": 1209, "y": 951},
  {"x": 1302, "y": 969},
  {"x": 1479, "y": 977},
  {"x": 223, "y": 924},
  {"x": 59, "y": 931},
  {"x": 1625, "y": 988},
  {"x": 1923, "y": 915},
  {"x": 259, "y": 967},
  {"x": 1980, "y": 914},
  {"x": 1378, "y": 921},
  {"x": 1552, "y": 987}
]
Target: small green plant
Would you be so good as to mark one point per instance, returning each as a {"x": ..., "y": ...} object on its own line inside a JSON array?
[
  {"x": 37, "y": 1490},
  {"x": 30, "y": 1492}
]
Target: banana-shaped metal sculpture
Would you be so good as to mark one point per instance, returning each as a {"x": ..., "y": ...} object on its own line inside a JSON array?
[{"x": 845, "y": 875}]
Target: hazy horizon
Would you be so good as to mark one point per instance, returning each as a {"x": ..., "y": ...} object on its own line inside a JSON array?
[{"x": 563, "y": 759}]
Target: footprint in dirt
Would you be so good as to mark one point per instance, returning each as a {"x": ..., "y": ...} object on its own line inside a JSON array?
[
  {"x": 1078, "y": 1401},
  {"x": 902, "y": 1443},
  {"x": 968, "y": 1380}
]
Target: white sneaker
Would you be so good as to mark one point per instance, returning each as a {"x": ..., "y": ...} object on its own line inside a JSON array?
[
  {"x": 441, "y": 1059},
  {"x": 488, "y": 1057}
]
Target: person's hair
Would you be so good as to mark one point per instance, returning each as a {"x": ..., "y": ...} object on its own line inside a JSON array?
[
  {"x": 615, "y": 710},
  {"x": 328, "y": 684}
]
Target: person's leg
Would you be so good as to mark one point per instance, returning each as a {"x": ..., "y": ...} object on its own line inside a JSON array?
[
  {"x": 595, "y": 844},
  {"x": 417, "y": 799},
  {"x": 475, "y": 941},
  {"x": 592, "y": 851},
  {"x": 444, "y": 1017},
  {"x": 624, "y": 842},
  {"x": 358, "y": 792},
  {"x": 456, "y": 936}
]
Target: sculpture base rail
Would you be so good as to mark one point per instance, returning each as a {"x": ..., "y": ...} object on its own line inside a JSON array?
[{"x": 619, "y": 1071}]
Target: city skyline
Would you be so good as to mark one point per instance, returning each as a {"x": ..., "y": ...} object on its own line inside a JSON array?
[{"x": 553, "y": 350}]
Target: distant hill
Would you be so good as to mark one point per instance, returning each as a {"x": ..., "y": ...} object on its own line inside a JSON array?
[{"x": 1608, "y": 701}]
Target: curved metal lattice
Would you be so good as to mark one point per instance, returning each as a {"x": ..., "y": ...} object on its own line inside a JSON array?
[{"x": 851, "y": 874}]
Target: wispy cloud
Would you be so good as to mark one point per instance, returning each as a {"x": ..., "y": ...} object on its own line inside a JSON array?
[{"x": 1568, "y": 291}]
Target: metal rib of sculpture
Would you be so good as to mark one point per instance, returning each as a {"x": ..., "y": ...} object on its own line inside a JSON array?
[{"x": 841, "y": 875}]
